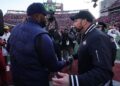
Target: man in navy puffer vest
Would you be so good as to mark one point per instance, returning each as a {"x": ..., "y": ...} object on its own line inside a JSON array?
[{"x": 31, "y": 50}]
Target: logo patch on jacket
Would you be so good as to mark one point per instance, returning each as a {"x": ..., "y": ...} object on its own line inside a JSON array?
[{"x": 84, "y": 42}]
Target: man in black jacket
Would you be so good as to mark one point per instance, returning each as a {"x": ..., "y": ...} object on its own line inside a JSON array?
[{"x": 94, "y": 55}]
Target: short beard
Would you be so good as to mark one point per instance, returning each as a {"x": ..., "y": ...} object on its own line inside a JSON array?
[
  {"x": 79, "y": 30},
  {"x": 43, "y": 24}
]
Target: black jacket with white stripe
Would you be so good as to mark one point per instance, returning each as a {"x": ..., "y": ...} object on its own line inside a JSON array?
[{"x": 94, "y": 59}]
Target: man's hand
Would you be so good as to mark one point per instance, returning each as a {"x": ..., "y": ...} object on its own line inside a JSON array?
[{"x": 62, "y": 79}]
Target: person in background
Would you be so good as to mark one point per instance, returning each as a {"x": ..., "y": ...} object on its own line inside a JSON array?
[
  {"x": 5, "y": 38},
  {"x": 113, "y": 32},
  {"x": 94, "y": 55},
  {"x": 53, "y": 29},
  {"x": 102, "y": 26},
  {"x": 6, "y": 33},
  {"x": 3, "y": 75}
]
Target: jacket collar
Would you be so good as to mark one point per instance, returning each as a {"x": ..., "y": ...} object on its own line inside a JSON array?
[{"x": 90, "y": 28}]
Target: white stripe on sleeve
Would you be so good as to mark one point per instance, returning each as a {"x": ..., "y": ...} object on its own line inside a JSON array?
[
  {"x": 72, "y": 80},
  {"x": 76, "y": 80}
]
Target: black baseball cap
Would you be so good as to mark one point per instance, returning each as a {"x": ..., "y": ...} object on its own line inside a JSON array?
[
  {"x": 102, "y": 24},
  {"x": 83, "y": 15},
  {"x": 36, "y": 8}
]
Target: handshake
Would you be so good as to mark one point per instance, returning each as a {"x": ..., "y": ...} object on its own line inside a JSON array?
[{"x": 61, "y": 79}]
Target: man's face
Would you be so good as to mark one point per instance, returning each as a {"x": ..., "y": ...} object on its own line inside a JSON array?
[
  {"x": 41, "y": 19},
  {"x": 78, "y": 23}
]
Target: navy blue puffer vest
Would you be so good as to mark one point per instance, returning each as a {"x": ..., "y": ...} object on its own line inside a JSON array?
[{"x": 26, "y": 67}]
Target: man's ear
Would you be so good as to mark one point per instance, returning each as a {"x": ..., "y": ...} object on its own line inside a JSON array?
[
  {"x": 84, "y": 21},
  {"x": 41, "y": 17},
  {"x": 36, "y": 16}
]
